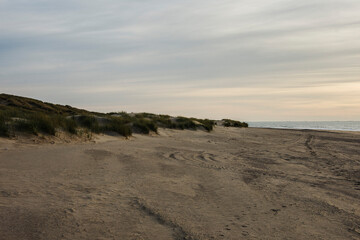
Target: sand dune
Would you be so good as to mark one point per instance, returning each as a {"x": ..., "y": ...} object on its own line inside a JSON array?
[{"x": 228, "y": 184}]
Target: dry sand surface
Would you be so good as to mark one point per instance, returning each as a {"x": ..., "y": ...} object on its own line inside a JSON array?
[{"x": 228, "y": 184}]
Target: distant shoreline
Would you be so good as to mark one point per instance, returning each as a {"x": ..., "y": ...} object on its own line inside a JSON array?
[
  {"x": 308, "y": 130},
  {"x": 347, "y": 126}
]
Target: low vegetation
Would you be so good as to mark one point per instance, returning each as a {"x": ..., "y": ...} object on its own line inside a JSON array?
[
  {"x": 3, "y": 127},
  {"x": 233, "y": 123},
  {"x": 19, "y": 114},
  {"x": 119, "y": 126}
]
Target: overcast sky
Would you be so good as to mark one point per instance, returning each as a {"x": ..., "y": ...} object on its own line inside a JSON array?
[{"x": 242, "y": 59}]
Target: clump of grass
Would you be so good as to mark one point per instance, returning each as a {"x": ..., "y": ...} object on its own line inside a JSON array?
[
  {"x": 43, "y": 123},
  {"x": 70, "y": 125},
  {"x": 119, "y": 126},
  {"x": 185, "y": 123},
  {"x": 4, "y": 131},
  {"x": 89, "y": 122},
  {"x": 207, "y": 124},
  {"x": 36, "y": 123},
  {"x": 145, "y": 125},
  {"x": 24, "y": 125},
  {"x": 145, "y": 115},
  {"x": 21, "y": 120},
  {"x": 163, "y": 119},
  {"x": 233, "y": 123}
]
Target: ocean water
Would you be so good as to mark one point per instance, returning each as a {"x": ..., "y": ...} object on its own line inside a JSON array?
[{"x": 317, "y": 125}]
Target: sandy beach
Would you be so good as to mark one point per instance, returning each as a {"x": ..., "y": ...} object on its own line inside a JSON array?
[{"x": 228, "y": 184}]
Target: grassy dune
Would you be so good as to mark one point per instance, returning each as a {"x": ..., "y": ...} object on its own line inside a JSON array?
[{"x": 20, "y": 114}]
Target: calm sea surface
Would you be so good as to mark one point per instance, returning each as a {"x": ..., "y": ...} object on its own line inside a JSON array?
[{"x": 321, "y": 125}]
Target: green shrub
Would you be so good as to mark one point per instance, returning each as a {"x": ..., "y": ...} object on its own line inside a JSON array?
[
  {"x": 70, "y": 125},
  {"x": 4, "y": 131},
  {"x": 152, "y": 126},
  {"x": 233, "y": 123},
  {"x": 227, "y": 124},
  {"x": 24, "y": 125},
  {"x": 145, "y": 125},
  {"x": 185, "y": 123},
  {"x": 43, "y": 123},
  {"x": 164, "y": 121},
  {"x": 119, "y": 126},
  {"x": 35, "y": 124},
  {"x": 90, "y": 123},
  {"x": 141, "y": 127},
  {"x": 207, "y": 124},
  {"x": 145, "y": 115},
  {"x": 11, "y": 112}
]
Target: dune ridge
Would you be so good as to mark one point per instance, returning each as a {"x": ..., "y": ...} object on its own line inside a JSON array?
[{"x": 26, "y": 115}]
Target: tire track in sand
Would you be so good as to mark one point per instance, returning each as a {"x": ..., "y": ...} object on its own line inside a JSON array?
[{"x": 309, "y": 145}]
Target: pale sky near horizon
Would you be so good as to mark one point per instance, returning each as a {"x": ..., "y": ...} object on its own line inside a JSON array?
[{"x": 251, "y": 60}]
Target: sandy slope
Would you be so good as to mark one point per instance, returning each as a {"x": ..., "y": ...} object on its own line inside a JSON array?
[{"x": 229, "y": 184}]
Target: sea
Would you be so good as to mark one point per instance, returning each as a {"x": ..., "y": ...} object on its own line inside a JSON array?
[{"x": 317, "y": 125}]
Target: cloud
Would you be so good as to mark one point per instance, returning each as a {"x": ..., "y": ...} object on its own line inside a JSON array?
[{"x": 150, "y": 53}]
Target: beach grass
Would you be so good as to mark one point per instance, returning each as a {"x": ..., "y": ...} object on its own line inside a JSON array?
[
  {"x": 233, "y": 123},
  {"x": 19, "y": 114},
  {"x": 4, "y": 132}
]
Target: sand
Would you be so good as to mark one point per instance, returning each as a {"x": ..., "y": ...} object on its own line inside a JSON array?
[{"x": 228, "y": 184}]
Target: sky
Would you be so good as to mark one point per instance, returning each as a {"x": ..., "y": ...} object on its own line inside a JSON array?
[{"x": 250, "y": 60}]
